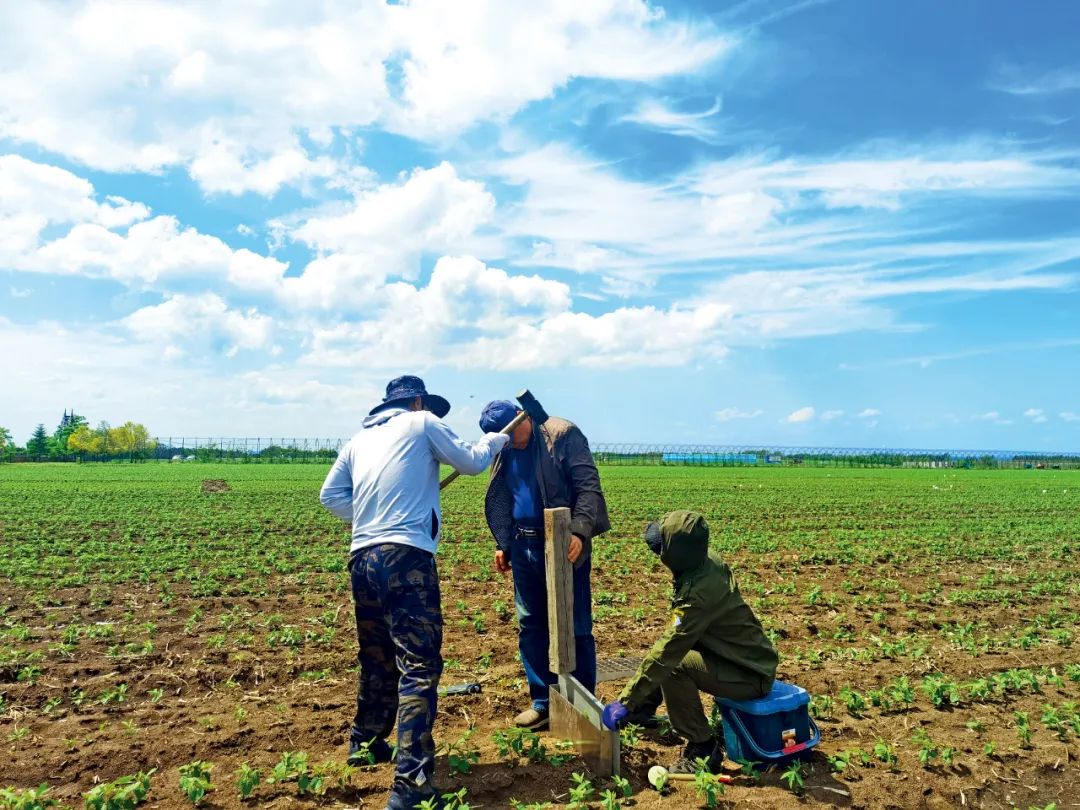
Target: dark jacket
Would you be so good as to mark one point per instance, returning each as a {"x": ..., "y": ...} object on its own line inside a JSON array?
[
  {"x": 567, "y": 477},
  {"x": 710, "y": 615}
]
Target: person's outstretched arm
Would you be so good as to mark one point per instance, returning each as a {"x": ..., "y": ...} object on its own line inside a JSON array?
[{"x": 467, "y": 459}]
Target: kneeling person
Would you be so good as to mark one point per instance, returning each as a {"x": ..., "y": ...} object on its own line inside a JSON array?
[{"x": 715, "y": 643}]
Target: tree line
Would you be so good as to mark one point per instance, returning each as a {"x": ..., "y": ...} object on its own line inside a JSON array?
[{"x": 74, "y": 437}]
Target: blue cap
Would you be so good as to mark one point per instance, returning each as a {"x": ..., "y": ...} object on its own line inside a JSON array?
[{"x": 497, "y": 414}]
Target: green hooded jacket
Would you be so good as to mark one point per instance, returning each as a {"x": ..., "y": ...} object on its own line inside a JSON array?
[{"x": 710, "y": 615}]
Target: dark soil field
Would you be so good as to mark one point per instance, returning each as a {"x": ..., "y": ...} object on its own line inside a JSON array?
[{"x": 155, "y": 615}]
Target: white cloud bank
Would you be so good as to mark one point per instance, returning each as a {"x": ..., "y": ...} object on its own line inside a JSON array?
[{"x": 246, "y": 95}]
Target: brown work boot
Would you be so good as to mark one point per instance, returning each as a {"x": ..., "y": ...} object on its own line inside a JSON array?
[{"x": 533, "y": 719}]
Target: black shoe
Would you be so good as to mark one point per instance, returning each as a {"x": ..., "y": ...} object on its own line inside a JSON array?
[
  {"x": 712, "y": 751},
  {"x": 401, "y": 799},
  {"x": 371, "y": 752}
]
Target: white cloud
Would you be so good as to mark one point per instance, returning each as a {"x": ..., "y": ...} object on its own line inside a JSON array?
[
  {"x": 1035, "y": 415},
  {"x": 728, "y": 414},
  {"x": 869, "y": 413},
  {"x": 475, "y": 316},
  {"x": 657, "y": 115},
  {"x": 91, "y": 240},
  {"x": 472, "y": 60},
  {"x": 97, "y": 369},
  {"x": 124, "y": 87},
  {"x": 433, "y": 209},
  {"x": 36, "y": 196},
  {"x": 801, "y": 415},
  {"x": 739, "y": 213},
  {"x": 18, "y": 292},
  {"x": 340, "y": 282},
  {"x": 152, "y": 250},
  {"x": 828, "y": 416},
  {"x": 231, "y": 166},
  {"x": 881, "y": 180},
  {"x": 779, "y": 213},
  {"x": 992, "y": 416},
  {"x": 1070, "y": 416},
  {"x": 203, "y": 319}
]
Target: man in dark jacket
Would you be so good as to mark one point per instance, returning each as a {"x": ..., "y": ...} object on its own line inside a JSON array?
[
  {"x": 544, "y": 467},
  {"x": 715, "y": 644}
]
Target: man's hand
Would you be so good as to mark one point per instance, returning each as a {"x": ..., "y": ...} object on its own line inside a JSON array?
[
  {"x": 614, "y": 716},
  {"x": 502, "y": 564},
  {"x": 576, "y": 545}
]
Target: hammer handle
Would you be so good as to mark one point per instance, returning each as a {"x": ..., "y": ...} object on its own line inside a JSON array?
[{"x": 517, "y": 420}]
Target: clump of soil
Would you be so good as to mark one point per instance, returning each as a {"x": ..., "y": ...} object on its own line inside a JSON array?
[{"x": 216, "y": 485}]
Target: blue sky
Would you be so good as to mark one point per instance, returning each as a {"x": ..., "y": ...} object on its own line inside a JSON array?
[{"x": 796, "y": 223}]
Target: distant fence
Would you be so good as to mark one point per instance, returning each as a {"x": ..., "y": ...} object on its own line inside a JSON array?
[
  {"x": 747, "y": 456},
  {"x": 324, "y": 451}
]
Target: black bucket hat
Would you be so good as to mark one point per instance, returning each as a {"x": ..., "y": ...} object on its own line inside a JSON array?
[{"x": 404, "y": 389}]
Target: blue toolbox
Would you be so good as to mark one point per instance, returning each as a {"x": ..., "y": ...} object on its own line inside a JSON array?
[{"x": 770, "y": 730}]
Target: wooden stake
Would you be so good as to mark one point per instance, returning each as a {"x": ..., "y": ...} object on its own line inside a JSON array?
[{"x": 560, "y": 590}]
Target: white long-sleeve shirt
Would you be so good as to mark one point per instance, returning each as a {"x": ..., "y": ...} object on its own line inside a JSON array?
[{"x": 386, "y": 478}]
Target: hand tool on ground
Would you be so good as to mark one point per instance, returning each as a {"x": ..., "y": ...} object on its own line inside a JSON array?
[
  {"x": 529, "y": 408},
  {"x": 460, "y": 689},
  {"x": 659, "y": 775}
]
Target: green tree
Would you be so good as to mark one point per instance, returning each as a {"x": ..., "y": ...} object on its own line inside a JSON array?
[
  {"x": 38, "y": 446},
  {"x": 7, "y": 444},
  {"x": 58, "y": 446}
]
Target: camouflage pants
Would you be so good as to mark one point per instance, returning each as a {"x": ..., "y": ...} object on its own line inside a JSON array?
[{"x": 399, "y": 627}]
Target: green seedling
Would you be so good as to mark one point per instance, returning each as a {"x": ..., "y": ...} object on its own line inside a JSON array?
[
  {"x": 581, "y": 793},
  {"x": 124, "y": 793},
  {"x": 195, "y": 780},
  {"x": 247, "y": 779}
]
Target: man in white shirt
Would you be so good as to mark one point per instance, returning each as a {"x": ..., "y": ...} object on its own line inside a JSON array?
[{"x": 386, "y": 481}]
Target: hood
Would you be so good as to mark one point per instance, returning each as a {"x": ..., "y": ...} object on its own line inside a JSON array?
[
  {"x": 685, "y": 541},
  {"x": 379, "y": 417}
]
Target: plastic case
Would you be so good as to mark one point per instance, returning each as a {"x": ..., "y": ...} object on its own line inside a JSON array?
[{"x": 771, "y": 730}]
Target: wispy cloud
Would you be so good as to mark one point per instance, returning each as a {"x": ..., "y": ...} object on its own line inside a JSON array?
[
  {"x": 1070, "y": 416},
  {"x": 992, "y": 416},
  {"x": 660, "y": 116},
  {"x": 751, "y": 14},
  {"x": 1021, "y": 82},
  {"x": 927, "y": 360},
  {"x": 728, "y": 414},
  {"x": 869, "y": 413},
  {"x": 1036, "y": 415},
  {"x": 828, "y": 416}
]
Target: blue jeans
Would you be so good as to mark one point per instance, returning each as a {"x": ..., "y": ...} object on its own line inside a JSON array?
[{"x": 530, "y": 599}]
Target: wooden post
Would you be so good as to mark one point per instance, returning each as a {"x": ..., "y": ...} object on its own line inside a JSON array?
[{"x": 560, "y": 590}]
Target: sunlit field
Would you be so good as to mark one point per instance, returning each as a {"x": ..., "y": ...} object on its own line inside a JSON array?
[{"x": 155, "y": 615}]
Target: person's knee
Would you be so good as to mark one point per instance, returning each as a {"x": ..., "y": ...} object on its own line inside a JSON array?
[{"x": 529, "y": 614}]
